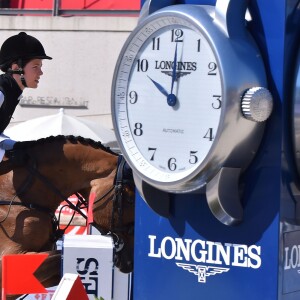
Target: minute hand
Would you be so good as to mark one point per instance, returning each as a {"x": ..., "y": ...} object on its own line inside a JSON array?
[{"x": 171, "y": 99}]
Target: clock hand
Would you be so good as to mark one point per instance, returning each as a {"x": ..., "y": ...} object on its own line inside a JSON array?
[
  {"x": 171, "y": 98},
  {"x": 159, "y": 87},
  {"x": 174, "y": 69}
]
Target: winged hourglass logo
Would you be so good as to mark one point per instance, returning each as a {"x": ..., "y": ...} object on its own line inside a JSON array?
[
  {"x": 202, "y": 271},
  {"x": 178, "y": 74}
]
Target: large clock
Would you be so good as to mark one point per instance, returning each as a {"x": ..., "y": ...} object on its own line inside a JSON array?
[{"x": 189, "y": 97}]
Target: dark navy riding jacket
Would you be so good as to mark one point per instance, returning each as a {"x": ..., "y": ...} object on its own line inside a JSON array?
[{"x": 10, "y": 93}]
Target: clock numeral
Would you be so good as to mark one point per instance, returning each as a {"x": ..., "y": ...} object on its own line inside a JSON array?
[
  {"x": 209, "y": 135},
  {"x": 138, "y": 129},
  {"x": 128, "y": 58},
  {"x": 142, "y": 65},
  {"x": 155, "y": 43},
  {"x": 177, "y": 35},
  {"x": 121, "y": 95},
  {"x": 193, "y": 158},
  {"x": 212, "y": 68},
  {"x": 153, "y": 154},
  {"x": 172, "y": 164},
  {"x": 126, "y": 133},
  {"x": 133, "y": 97},
  {"x": 148, "y": 30},
  {"x": 217, "y": 102},
  {"x": 142, "y": 163},
  {"x": 198, "y": 45}
]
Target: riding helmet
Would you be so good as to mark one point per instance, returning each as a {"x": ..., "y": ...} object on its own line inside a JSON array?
[{"x": 21, "y": 47}]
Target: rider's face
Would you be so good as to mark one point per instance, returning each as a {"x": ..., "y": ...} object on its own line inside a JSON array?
[{"x": 33, "y": 72}]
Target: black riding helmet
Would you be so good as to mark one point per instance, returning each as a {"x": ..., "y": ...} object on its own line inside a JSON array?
[{"x": 20, "y": 48}]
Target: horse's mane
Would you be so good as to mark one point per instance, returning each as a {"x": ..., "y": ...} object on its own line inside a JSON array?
[{"x": 64, "y": 138}]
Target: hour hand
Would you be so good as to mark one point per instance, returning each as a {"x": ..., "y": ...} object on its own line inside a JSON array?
[{"x": 159, "y": 87}]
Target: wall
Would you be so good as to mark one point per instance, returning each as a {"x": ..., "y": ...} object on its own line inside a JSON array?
[{"x": 84, "y": 51}]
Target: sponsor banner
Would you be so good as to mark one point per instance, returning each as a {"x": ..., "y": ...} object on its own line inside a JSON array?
[
  {"x": 202, "y": 258},
  {"x": 291, "y": 262},
  {"x": 47, "y": 296},
  {"x": 91, "y": 258}
]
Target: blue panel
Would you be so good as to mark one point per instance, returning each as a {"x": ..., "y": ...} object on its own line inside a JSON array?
[
  {"x": 157, "y": 275},
  {"x": 160, "y": 277}
]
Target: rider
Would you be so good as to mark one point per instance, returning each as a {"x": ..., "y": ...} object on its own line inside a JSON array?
[{"x": 21, "y": 58}]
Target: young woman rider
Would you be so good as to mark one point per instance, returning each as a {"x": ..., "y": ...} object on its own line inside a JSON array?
[{"x": 21, "y": 58}]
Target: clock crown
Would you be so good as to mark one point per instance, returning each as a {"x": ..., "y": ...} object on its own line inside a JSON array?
[{"x": 257, "y": 104}]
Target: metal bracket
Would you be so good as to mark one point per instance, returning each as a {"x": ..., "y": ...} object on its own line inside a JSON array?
[
  {"x": 230, "y": 15},
  {"x": 222, "y": 195},
  {"x": 150, "y": 6}
]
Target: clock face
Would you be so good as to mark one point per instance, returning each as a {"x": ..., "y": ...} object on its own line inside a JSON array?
[{"x": 167, "y": 99}]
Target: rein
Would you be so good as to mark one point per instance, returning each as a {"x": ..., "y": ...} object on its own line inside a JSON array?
[{"x": 46, "y": 182}]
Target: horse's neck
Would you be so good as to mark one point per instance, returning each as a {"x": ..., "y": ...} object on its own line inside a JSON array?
[
  {"x": 59, "y": 170},
  {"x": 80, "y": 167},
  {"x": 96, "y": 162}
]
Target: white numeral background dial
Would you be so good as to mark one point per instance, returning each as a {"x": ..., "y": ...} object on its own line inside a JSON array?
[{"x": 166, "y": 142}]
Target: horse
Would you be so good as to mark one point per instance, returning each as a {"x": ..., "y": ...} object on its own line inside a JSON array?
[{"x": 36, "y": 176}]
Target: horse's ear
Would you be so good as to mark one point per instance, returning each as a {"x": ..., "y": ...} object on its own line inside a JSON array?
[{"x": 18, "y": 157}]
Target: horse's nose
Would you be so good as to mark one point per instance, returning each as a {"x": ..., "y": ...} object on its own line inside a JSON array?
[
  {"x": 128, "y": 267},
  {"x": 125, "y": 266}
]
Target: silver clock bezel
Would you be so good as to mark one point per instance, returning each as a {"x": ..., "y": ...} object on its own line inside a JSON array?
[{"x": 241, "y": 67}]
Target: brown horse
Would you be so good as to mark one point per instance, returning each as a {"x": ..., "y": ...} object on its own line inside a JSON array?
[{"x": 36, "y": 176}]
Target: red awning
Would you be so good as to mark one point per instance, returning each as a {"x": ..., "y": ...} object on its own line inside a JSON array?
[{"x": 78, "y": 4}]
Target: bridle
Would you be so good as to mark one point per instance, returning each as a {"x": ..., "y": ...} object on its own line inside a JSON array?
[
  {"x": 116, "y": 225},
  {"x": 123, "y": 173}
]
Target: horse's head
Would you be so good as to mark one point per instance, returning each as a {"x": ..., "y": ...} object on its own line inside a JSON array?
[{"x": 118, "y": 220}]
